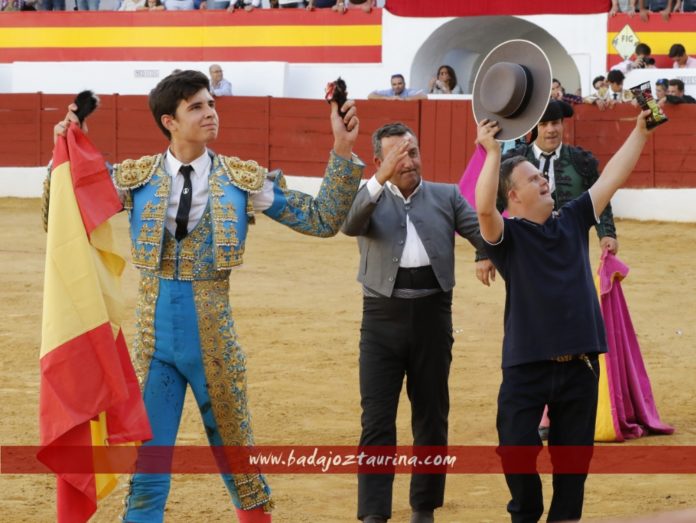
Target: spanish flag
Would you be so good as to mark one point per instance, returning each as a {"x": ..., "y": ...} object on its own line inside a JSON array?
[{"x": 89, "y": 392}]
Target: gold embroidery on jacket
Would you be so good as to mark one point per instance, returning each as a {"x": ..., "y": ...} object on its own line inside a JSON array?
[
  {"x": 245, "y": 174},
  {"x": 131, "y": 174}
]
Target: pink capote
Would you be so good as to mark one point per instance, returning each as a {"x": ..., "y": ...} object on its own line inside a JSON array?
[
  {"x": 633, "y": 407},
  {"x": 467, "y": 183}
]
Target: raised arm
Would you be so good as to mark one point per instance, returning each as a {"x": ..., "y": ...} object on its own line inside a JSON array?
[
  {"x": 324, "y": 214},
  {"x": 619, "y": 168},
  {"x": 490, "y": 219}
]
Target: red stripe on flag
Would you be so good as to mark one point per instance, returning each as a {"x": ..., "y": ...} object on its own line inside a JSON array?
[
  {"x": 76, "y": 493},
  {"x": 128, "y": 420},
  {"x": 95, "y": 192},
  {"x": 79, "y": 379},
  {"x": 315, "y": 54}
]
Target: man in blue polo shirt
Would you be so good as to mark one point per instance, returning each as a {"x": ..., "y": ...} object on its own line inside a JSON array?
[
  {"x": 398, "y": 91},
  {"x": 553, "y": 325}
]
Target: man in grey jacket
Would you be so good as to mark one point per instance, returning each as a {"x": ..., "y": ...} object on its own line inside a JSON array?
[{"x": 406, "y": 231}]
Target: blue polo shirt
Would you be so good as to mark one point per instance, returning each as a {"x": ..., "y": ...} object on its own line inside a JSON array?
[{"x": 551, "y": 305}]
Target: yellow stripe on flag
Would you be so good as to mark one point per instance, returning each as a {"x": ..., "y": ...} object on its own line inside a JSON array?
[
  {"x": 71, "y": 307},
  {"x": 200, "y": 36},
  {"x": 659, "y": 41}
]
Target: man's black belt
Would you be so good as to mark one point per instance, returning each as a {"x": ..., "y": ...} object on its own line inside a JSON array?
[{"x": 416, "y": 278}]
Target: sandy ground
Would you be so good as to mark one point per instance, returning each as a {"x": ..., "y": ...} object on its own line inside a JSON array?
[{"x": 298, "y": 311}]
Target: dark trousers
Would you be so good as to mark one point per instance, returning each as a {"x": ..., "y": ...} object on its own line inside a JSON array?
[
  {"x": 570, "y": 390},
  {"x": 411, "y": 337}
]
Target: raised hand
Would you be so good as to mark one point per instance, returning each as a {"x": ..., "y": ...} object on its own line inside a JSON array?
[
  {"x": 485, "y": 135},
  {"x": 61, "y": 128},
  {"x": 345, "y": 129}
]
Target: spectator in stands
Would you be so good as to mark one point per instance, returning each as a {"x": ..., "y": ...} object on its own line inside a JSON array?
[
  {"x": 600, "y": 84},
  {"x": 681, "y": 60},
  {"x": 675, "y": 93},
  {"x": 685, "y": 6},
  {"x": 398, "y": 91},
  {"x": 154, "y": 5},
  {"x": 52, "y": 5},
  {"x": 133, "y": 5},
  {"x": 246, "y": 5},
  {"x": 321, "y": 4},
  {"x": 340, "y": 6},
  {"x": 661, "y": 85},
  {"x": 616, "y": 94},
  {"x": 656, "y": 6},
  {"x": 365, "y": 5},
  {"x": 598, "y": 98},
  {"x": 286, "y": 4},
  {"x": 87, "y": 5},
  {"x": 179, "y": 5},
  {"x": 216, "y": 5},
  {"x": 218, "y": 85},
  {"x": 623, "y": 6},
  {"x": 641, "y": 61},
  {"x": 445, "y": 82},
  {"x": 558, "y": 92}
]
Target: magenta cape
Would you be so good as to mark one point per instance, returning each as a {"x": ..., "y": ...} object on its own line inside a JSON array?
[{"x": 626, "y": 408}]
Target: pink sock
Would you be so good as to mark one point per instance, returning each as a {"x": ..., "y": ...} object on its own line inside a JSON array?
[{"x": 256, "y": 515}]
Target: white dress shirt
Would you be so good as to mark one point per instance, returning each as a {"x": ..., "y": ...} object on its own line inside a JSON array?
[
  {"x": 556, "y": 154},
  {"x": 414, "y": 254},
  {"x": 199, "y": 185}
]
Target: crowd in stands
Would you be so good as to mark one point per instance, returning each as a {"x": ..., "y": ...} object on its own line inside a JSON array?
[
  {"x": 641, "y": 7},
  {"x": 608, "y": 89},
  {"x": 645, "y": 7},
  {"x": 339, "y": 6}
]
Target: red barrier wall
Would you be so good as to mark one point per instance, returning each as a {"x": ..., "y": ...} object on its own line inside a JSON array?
[{"x": 295, "y": 135}]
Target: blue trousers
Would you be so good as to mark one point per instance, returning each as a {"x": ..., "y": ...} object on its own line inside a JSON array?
[{"x": 176, "y": 362}]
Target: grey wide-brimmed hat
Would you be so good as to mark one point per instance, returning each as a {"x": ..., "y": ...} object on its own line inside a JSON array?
[{"x": 512, "y": 86}]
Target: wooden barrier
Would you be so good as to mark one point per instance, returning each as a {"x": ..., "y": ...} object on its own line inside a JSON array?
[{"x": 295, "y": 135}]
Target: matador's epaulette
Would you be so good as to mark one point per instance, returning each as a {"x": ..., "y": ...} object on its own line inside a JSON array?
[
  {"x": 131, "y": 174},
  {"x": 245, "y": 174}
]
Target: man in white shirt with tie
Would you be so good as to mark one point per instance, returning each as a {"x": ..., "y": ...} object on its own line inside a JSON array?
[{"x": 189, "y": 211}]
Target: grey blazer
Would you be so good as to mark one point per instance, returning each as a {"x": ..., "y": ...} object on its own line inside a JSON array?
[{"x": 437, "y": 210}]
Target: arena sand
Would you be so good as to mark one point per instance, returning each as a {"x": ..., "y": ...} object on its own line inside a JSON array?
[{"x": 297, "y": 308}]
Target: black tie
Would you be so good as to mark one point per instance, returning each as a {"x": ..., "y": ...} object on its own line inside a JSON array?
[
  {"x": 547, "y": 164},
  {"x": 182, "y": 213},
  {"x": 616, "y": 96}
]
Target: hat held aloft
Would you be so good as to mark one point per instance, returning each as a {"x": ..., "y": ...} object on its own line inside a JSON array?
[{"x": 512, "y": 87}]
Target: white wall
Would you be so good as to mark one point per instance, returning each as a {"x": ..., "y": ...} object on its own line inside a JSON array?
[{"x": 248, "y": 78}]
